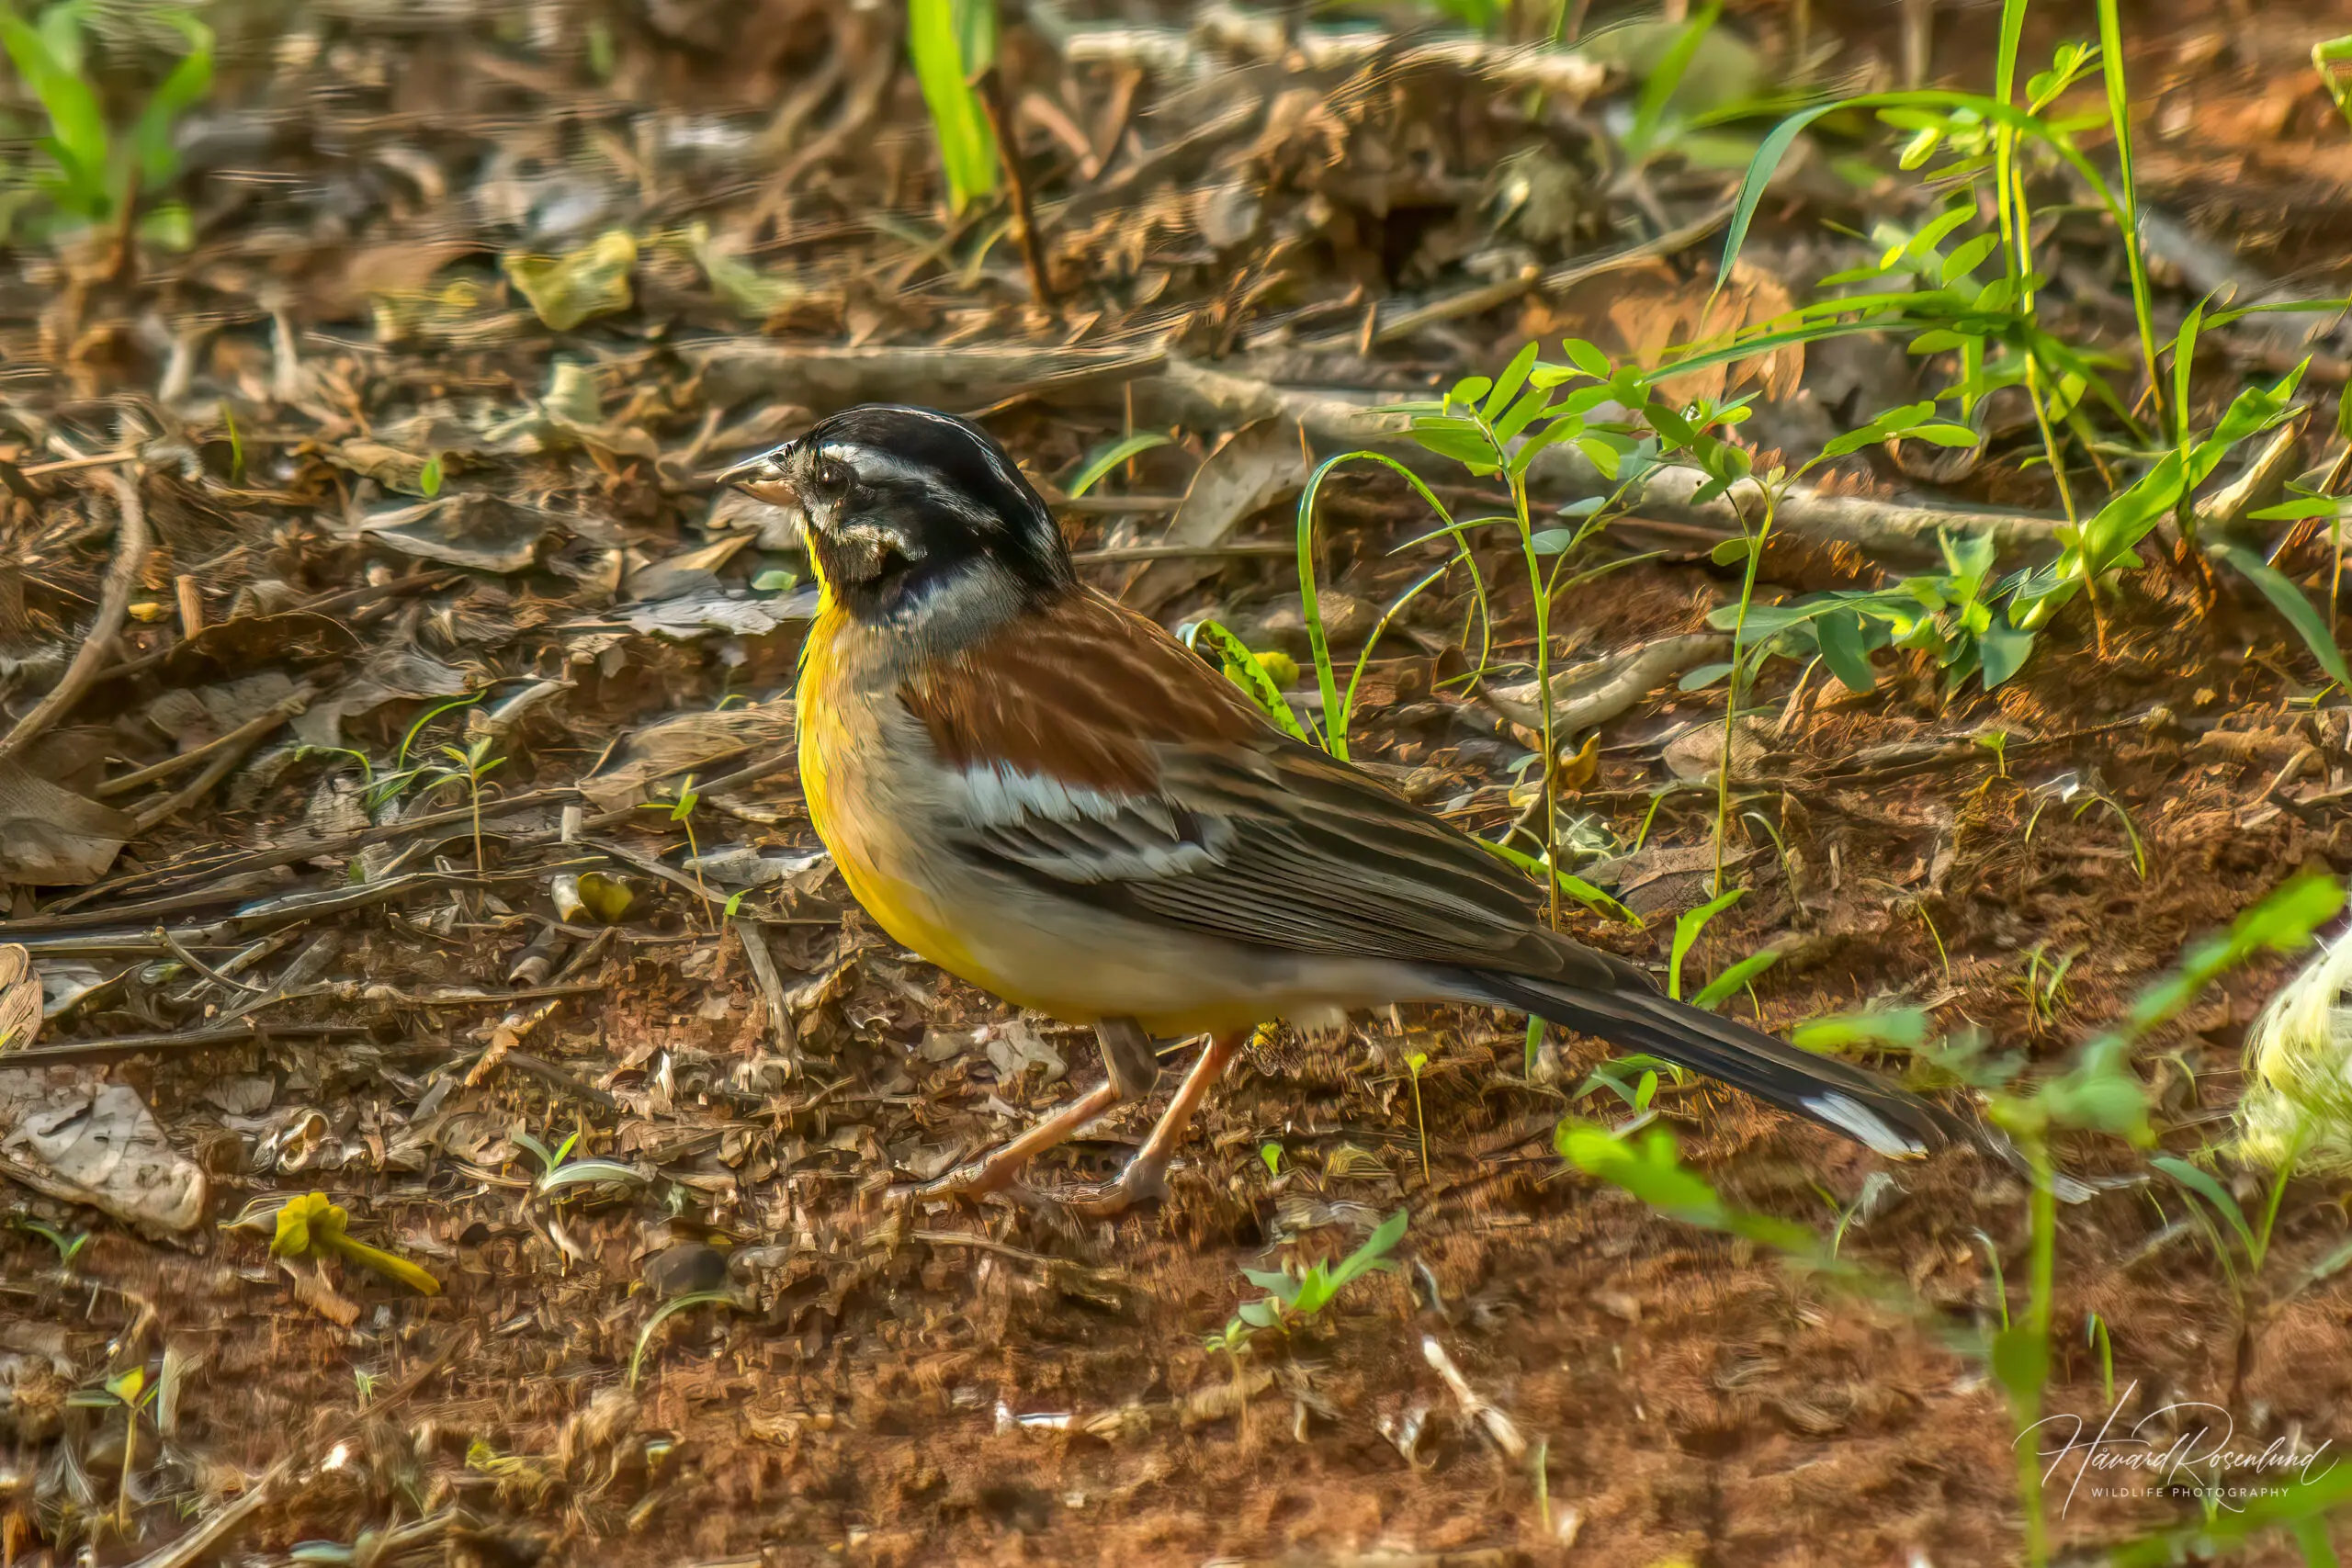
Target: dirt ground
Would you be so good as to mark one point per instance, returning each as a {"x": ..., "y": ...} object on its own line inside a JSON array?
[{"x": 389, "y": 483}]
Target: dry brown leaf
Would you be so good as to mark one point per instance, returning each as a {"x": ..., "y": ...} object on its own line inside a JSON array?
[
  {"x": 19, "y": 998},
  {"x": 1655, "y": 312}
]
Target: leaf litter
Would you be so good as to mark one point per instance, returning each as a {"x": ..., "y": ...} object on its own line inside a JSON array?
[{"x": 419, "y": 422}]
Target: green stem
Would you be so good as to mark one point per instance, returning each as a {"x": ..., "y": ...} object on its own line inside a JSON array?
[
  {"x": 2110, "y": 41},
  {"x": 1535, "y": 586},
  {"x": 1731, "y": 699},
  {"x": 2041, "y": 1290}
]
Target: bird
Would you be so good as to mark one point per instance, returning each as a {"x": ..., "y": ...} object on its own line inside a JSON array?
[{"x": 1045, "y": 794}]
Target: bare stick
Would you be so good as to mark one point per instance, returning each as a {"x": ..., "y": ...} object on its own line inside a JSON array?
[
  {"x": 244, "y": 735},
  {"x": 114, "y": 602},
  {"x": 1016, "y": 175}
]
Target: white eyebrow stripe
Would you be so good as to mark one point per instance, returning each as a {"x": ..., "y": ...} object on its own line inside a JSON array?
[{"x": 874, "y": 463}]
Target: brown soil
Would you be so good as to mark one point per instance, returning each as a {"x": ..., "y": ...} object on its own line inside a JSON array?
[{"x": 1004, "y": 1383}]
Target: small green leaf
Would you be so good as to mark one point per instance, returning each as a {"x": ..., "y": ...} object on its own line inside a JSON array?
[
  {"x": 1686, "y": 933},
  {"x": 1703, "y": 676},
  {"x": 1587, "y": 358},
  {"x": 2001, "y": 650},
  {"x": 1844, "y": 649},
  {"x": 428, "y": 477},
  {"x": 1507, "y": 386},
  {"x": 1731, "y": 980}
]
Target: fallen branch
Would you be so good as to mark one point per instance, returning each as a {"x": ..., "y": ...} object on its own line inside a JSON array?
[
  {"x": 1231, "y": 30},
  {"x": 1528, "y": 280},
  {"x": 1589, "y": 696},
  {"x": 1188, "y": 393},
  {"x": 114, "y": 604},
  {"x": 238, "y": 741}
]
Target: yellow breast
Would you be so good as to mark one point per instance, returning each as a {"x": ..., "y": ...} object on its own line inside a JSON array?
[{"x": 842, "y": 750}]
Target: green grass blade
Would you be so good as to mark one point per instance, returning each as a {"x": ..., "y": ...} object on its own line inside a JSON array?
[
  {"x": 662, "y": 1314},
  {"x": 2119, "y": 110},
  {"x": 2204, "y": 1186},
  {"x": 1327, "y": 677},
  {"x": 936, "y": 35},
  {"x": 1649, "y": 112},
  {"x": 1761, "y": 170},
  {"x": 2289, "y": 602},
  {"x": 1093, "y": 470}
]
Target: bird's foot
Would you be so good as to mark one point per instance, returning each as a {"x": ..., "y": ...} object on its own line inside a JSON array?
[
  {"x": 973, "y": 1179},
  {"x": 1142, "y": 1181}
]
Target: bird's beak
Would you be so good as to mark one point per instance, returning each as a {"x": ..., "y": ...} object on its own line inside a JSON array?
[{"x": 762, "y": 478}]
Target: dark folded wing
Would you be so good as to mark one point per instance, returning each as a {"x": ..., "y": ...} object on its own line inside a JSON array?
[
  {"x": 1274, "y": 844},
  {"x": 1087, "y": 749}
]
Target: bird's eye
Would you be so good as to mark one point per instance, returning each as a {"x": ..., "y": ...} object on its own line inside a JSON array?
[{"x": 830, "y": 477}]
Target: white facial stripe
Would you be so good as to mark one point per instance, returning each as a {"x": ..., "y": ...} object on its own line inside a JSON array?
[
  {"x": 872, "y": 536},
  {"x": 872, "y": 465},
  {"x": 997, "y": 465}
]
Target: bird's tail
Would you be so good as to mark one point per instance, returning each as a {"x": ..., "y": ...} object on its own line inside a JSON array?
[{"x": 1845, "y": 1098}]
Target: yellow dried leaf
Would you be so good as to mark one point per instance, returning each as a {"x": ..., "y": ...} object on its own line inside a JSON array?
[{"x": 579, "y": 285}]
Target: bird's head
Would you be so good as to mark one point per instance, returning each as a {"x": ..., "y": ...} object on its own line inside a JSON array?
[{"x": 908, "y": 509}]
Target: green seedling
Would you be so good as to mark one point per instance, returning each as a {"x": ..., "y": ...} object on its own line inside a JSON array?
[
  {"x": 1634, "y": 1080},
  {"x": 68, "y": 1246},
  {"x": 1687, "y": 928},
  {"x": 96, "y": 173},
  {"x": 559, "y": 1171},
  {"x": 1294, "y": 1295},
  {"x": 2044, "y": 984},
  {"x": 2241, "y": 1262},
  {"x": 680, "y": 808},
  {"x": 664, "y": 1314},
  {"x": 1413, "y": 1064},
  {"x": 2095, "y": 1332},
  {"x": 468, "y": 765},
  {"x": 1270, "y": 1155}
]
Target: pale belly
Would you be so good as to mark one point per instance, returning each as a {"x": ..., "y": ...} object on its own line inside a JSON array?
[{"x": 1058, "y": 955}]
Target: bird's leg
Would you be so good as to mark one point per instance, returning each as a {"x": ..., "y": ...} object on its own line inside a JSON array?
[
  {"x": 1145, "y": 1174},
  {"x": 1127, "y": 1057},
  {"x": 994, "y": 1172}
]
